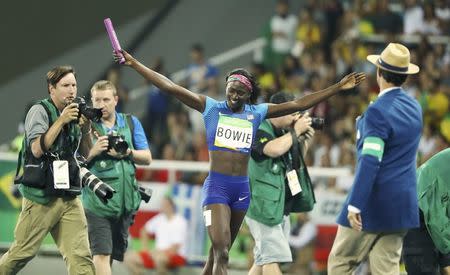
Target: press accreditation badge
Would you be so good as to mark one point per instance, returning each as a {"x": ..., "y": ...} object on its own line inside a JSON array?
[
  {"x": 293, "y": 182},
  {"x": 61, "y": 174}
]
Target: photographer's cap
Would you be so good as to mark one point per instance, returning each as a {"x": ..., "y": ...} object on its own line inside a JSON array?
[{"x": 395, "y": 58}]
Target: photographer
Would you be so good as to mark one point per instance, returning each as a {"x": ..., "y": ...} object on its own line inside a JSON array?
[
  {"x": 50, "y": 182},
  {"x": 276, "y": 156},
  {"x": 120, "y": 143},
  {"x": 426, "y": 250}
]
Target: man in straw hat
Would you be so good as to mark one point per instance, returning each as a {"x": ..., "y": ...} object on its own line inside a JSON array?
[{"x": 382, "y": 205}]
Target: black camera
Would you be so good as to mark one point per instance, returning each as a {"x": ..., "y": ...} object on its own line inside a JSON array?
[
  {"x": 146, "y": 193},
  {"x": 90, "y": 113},
  {"x": 317, "y": 123},
  {"x": 118, "y": 143},
  {"x": 102, "y": 190}
]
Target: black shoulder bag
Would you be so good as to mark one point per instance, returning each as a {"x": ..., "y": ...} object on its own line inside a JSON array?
[{"x": 36, "y": 171}]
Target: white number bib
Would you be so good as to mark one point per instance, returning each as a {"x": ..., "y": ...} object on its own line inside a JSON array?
[{"x": 233, "y": 133}]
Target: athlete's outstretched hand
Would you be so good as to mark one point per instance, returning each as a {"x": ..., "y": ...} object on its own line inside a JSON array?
[
  {"x": 128, "y": 58},
  {"x": 352, "y": 80}
]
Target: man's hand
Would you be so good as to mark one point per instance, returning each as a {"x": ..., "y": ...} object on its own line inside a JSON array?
[
  {"x": 100, "y": 146},
  {"x": 301, "y": 124},
  {"x": 355, "y": 220},
  {"x": 70, "y": 113},
  {"x": 307, "y": 137},
  {"x": 309, "y": 133},
  {"x": 85, "y": 124},
  {"x": 113, "y": 153}
]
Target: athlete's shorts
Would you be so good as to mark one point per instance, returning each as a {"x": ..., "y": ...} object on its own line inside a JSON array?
[
  {"x": 225, "y": 189},
  {"x": 175, "y": 260}
]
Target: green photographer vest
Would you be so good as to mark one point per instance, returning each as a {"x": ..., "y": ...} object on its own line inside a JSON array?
[
  {"x": 118, "y": 173},
  {"x": 268, "y": 188},
  {"x": 65, "y": 144}
]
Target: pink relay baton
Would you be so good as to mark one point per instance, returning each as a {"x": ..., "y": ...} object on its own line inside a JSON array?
[{"x": 113, "y": 38}]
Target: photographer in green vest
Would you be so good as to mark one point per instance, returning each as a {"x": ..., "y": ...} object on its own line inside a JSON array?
[
  {"x": 50, "y": 181},
  {"x": 119, "y": 144},
  {"x": 279, "y": 185},
  {"x": 426, "y": 250}
]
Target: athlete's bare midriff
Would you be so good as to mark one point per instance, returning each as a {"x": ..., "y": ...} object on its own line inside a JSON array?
[{"x": 229, "y": 163}]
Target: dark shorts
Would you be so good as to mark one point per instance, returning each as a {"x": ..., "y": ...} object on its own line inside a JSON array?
[
  {"x": 108, "y": 236},
  {"x": 225, "y": 189},
  {"x": 420, "y": 254}
]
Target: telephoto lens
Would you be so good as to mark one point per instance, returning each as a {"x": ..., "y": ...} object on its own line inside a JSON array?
[{"x": 102, "y": 190}]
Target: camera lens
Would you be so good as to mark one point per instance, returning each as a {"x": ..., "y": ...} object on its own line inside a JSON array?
[
  {"x": 317, "y": 123},
  {"x": 102, "y": 190}
]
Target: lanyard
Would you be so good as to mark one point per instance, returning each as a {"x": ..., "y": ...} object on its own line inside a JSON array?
[{"x": 293, "y": 159}]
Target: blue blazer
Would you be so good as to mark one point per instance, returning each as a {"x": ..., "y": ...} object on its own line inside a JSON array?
[{"x": 385, "y": 191}]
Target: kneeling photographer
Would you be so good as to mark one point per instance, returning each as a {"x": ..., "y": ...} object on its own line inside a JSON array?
[
  {"x": 119, "y": 144},
  {"x": 279, "y": 184},
  {"x": 50, "y": 180}
]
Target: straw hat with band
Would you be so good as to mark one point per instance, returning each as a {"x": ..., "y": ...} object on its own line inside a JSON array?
[{"x": 394, "y": 58}]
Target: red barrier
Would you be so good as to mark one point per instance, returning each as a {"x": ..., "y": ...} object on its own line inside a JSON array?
[
  {"x": 139, "y": 221},
  {"x": 324, "y": 242}
]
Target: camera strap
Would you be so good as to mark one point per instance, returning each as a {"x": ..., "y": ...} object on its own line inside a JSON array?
[
  {"x": 42, "y": 137},
  {"x": 296, "y": 151},
  {"x": 19, "y": 162},
  {"x": 292, "y": 158},
  {"x": 61, "y": 141},
  {"x": 131, "y": 126},
  {"x": 291, "y": 171}
]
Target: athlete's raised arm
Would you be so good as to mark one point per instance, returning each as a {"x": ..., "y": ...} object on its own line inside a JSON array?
[
  {"x": 189, "y": 98},
  {"x": 306, "y": 102}
]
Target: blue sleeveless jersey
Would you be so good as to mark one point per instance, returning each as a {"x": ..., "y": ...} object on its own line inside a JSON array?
[{"x": 228, "y": 131}]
